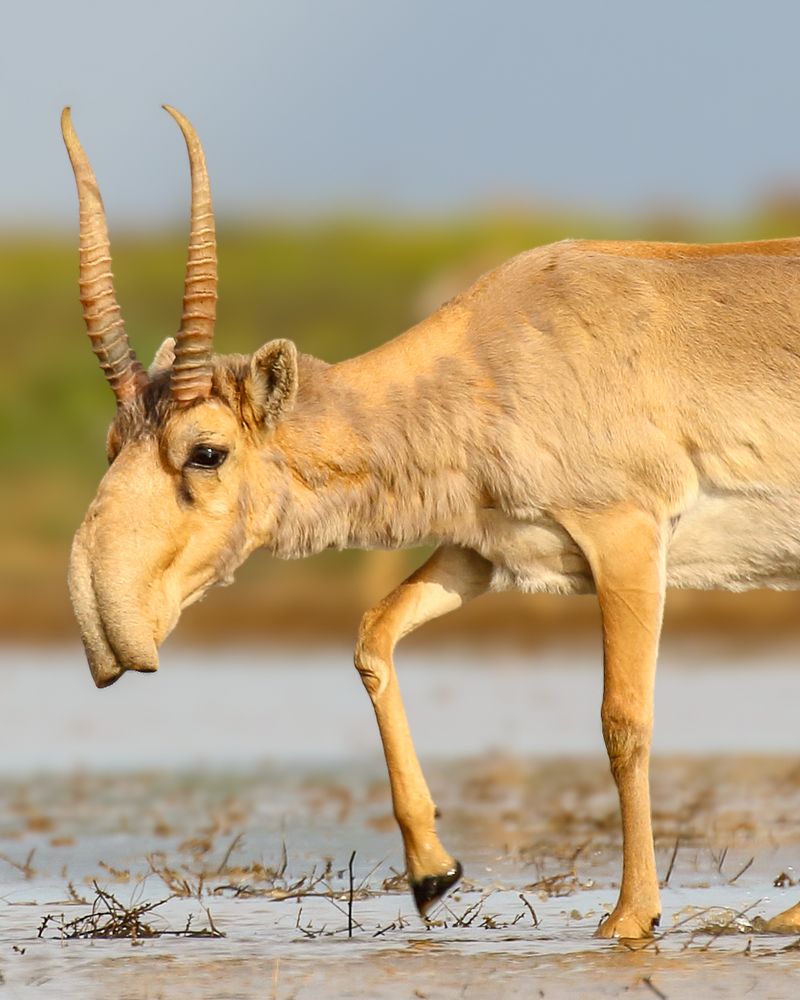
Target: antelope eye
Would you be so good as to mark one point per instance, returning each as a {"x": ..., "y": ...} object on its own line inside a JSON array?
[{"x": 203, "y": 456}]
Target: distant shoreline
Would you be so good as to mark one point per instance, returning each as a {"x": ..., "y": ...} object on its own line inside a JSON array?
[{"x": 307, "y": 609}]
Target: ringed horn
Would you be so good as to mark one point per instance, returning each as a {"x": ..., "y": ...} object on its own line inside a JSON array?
[
  {"x": 191, "y": 371},
  {"x": 101, "y": 311},
  {"x": 192, "y": 368}
]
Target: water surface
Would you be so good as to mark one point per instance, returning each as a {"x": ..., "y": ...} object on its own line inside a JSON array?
[{"x": 246, "y": 781}]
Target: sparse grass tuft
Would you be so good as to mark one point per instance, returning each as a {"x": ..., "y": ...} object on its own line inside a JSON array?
[{"x": 111, "y": 918}]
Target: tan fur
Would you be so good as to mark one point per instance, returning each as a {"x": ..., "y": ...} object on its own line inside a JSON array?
[{"x": 616, "y": 417}]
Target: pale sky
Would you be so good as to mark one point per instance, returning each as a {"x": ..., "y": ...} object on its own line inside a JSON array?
[{"x": 405, "y": 107}]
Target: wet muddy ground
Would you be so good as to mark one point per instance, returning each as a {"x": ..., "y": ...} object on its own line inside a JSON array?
[{"x": 252, "y": 859}]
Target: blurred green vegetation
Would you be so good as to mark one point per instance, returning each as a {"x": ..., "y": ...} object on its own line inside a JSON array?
[{"x": 337, "y": 288}]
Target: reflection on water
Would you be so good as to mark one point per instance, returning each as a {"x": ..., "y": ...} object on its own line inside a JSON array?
[{"x": 244, "y": 783}]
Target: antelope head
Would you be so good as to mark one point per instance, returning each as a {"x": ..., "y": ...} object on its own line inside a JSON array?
[{"x": 173, "y": 514}]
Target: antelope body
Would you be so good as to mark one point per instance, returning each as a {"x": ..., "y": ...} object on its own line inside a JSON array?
[{"x": 589, "y": 417}]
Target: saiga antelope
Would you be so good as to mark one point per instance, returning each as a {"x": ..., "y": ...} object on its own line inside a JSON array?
[{"x": 612, "y": 417}]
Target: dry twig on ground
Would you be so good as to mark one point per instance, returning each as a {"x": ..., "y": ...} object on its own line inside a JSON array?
[{"x": 110, "y": 918}]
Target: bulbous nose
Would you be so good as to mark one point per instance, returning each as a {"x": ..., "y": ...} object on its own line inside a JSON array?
[{"x": 111, "y": 599}]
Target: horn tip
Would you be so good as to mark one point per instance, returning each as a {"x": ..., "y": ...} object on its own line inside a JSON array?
[{"x": 67, "y": 131}]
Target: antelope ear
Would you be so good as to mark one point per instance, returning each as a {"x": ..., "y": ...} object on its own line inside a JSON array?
[
  {"x": 163, "y": 361},
  {"x": 273, "y": 380}
]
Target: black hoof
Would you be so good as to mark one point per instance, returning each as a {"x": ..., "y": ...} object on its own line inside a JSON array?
[{"x": 433, "y": 887}]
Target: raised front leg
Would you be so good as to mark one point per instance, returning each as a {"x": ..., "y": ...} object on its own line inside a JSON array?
[
  {"x": 626, "y": 552},
  {"x": 447, "y": 580}
]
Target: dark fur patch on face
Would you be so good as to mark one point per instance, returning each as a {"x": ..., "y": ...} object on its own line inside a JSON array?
[
  {"x": 232, "y": 384},
  {"x": 146, "y": 415},
  {"x": 142, "y": 416}
]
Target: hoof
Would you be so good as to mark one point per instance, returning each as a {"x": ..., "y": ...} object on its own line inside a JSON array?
[
  {"x": 628, "y": 926},
  {"x": 427, "y": 890},
  {"x": 787, "y": 922}
]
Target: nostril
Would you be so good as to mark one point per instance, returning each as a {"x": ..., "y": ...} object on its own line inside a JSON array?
[
  {"x": 145, "y": 667},
  {"x": 104, "y": 682},
  {"x": 142, "y": 658},
  {"x": 107, "y": 675}
]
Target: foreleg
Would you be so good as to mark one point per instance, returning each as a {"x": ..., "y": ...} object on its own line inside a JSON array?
[
  {"x": 626, "y": 552},
  {"x": 446, "y": 581}
]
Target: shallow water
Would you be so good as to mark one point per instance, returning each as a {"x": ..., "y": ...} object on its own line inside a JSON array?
[
  {"x": 206, "y": 770},
  {"x": 237, "y": 708}
]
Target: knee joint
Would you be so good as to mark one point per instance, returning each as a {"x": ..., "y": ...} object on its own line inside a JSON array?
[
  {"x": 626, "y": 739},
  {"x": 373, "y": 655}
]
